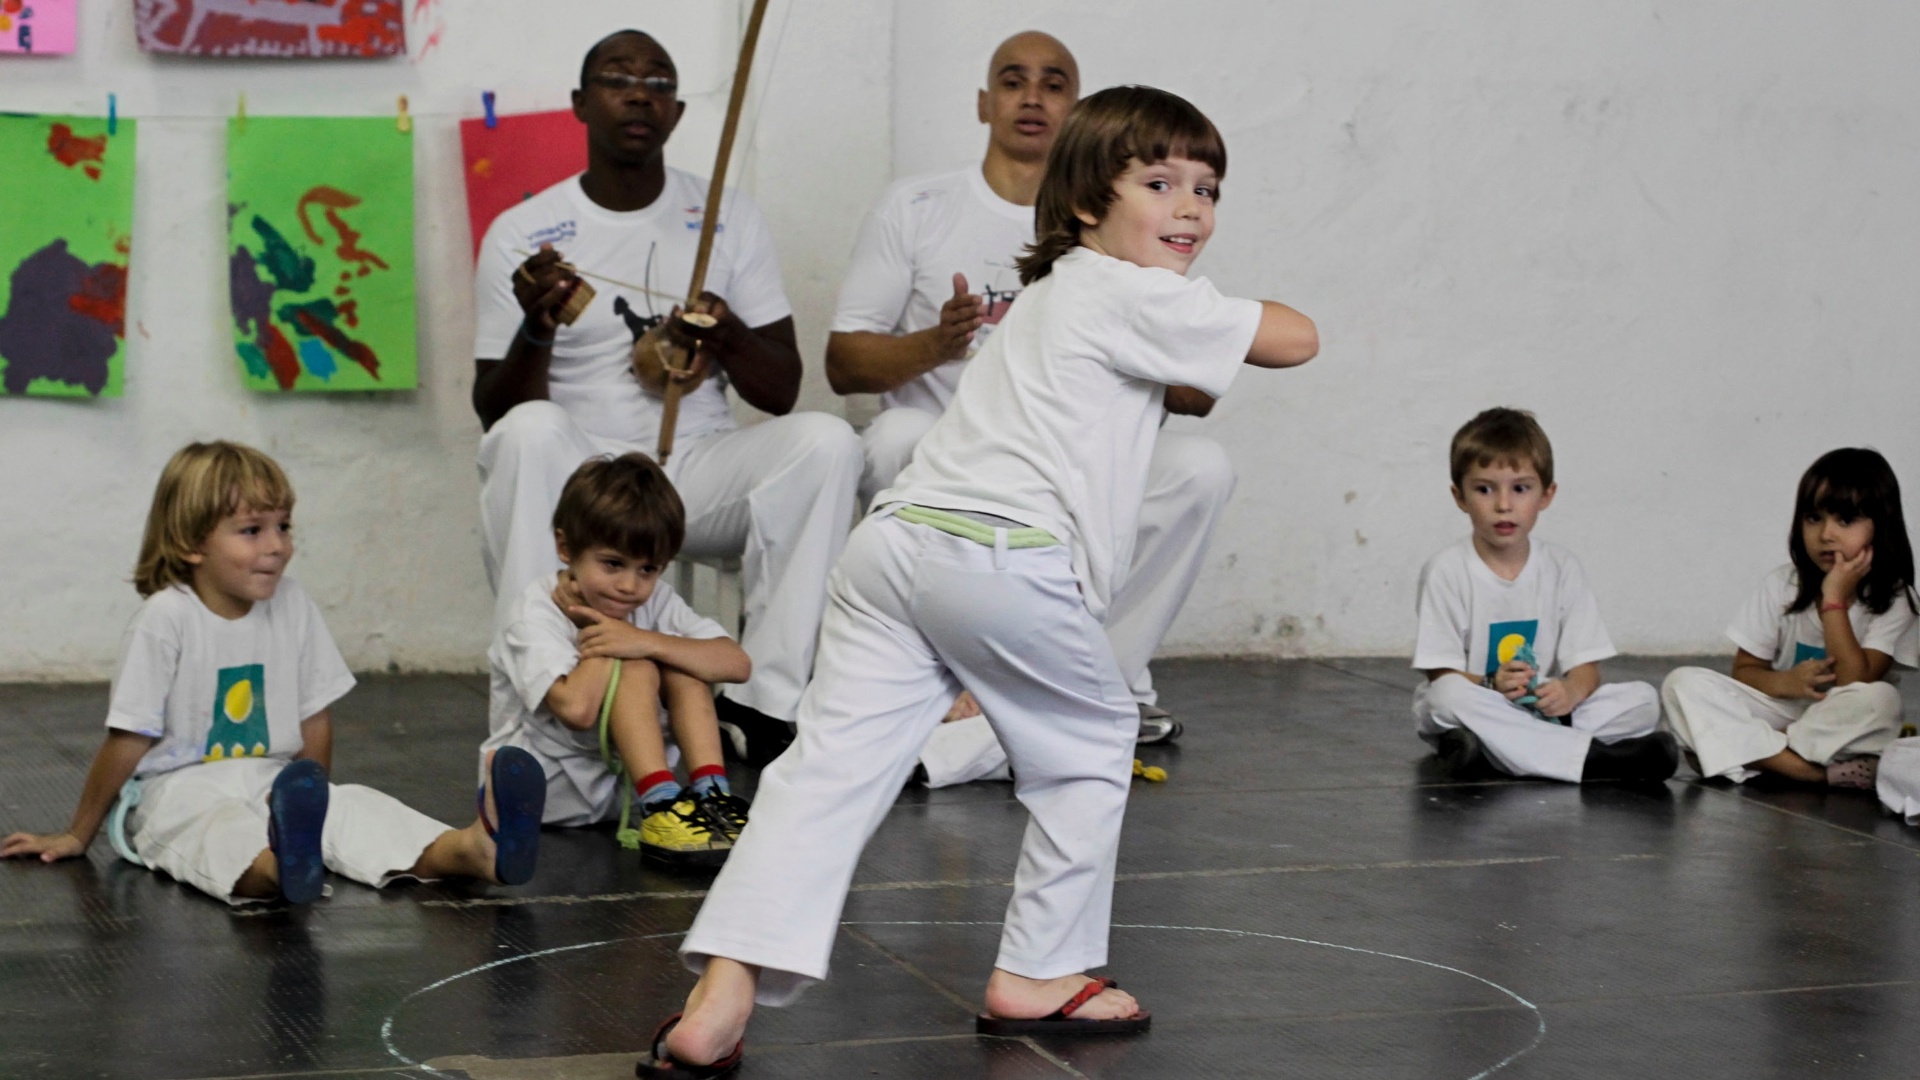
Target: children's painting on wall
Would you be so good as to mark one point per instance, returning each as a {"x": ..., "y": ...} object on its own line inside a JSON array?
[
  {"x": 64, "y": 240},
  {"x": 37, "y": 26},
  {"x": 516, "y": 159},
  {"x": 271, "y": 27},
  {"x": 320, "y": 252}
]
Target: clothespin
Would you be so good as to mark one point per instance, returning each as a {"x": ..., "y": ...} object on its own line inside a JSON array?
[
  {"x": 240, "y": 114},
  {"x": 403, "y": 122},
  {"x": 486, "y": 101},
  {"x": 113, "y": 114}
]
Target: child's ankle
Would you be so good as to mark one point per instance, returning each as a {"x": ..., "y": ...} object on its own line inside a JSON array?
[
  {"x": 707, "y": 779},
  {"x": 656, "y": 791}
]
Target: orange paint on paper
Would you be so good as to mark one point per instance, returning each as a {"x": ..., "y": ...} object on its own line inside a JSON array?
[{"x": 70, "y": 149}]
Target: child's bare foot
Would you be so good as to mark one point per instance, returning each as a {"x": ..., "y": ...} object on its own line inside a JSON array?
[
  {"x": 1016, "y": 997},
  {"x": 716, "y": 1014}
]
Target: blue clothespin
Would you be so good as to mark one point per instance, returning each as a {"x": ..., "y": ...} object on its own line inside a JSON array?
[
  {"x": 486, "y": 100},
  {"x": 113, "y": 114}
]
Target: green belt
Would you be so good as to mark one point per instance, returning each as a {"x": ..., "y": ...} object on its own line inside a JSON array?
[{"x": 977, "y": 531}]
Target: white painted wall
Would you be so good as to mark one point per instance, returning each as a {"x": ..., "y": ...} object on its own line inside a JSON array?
[{"x": 1683, "y": 234}]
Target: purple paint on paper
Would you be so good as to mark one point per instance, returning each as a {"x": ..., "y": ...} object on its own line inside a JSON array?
[
  {"x": 252, "y": 298},
  {"x": 43, "y": 335}
]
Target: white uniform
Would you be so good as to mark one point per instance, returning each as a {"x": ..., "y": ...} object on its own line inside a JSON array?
[
  {"x": 778, "y": 494},
  {"x": 923, "y": 231},
  {"x": 1472, "y": 620},
  {"x": 225, "y": 698},
  {"x": 1728, "y": 724},
  {"x": 1052, "y": 428},
  {"x": 528, "y": 655}
]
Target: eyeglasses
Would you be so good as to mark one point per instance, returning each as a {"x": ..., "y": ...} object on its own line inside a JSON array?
[{"x": 661, "y": 86}]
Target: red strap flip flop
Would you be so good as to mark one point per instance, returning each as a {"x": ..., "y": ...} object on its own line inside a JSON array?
[
  {"x": 665, "y": 1066},
  {"x": 1061, "y": 1021}
]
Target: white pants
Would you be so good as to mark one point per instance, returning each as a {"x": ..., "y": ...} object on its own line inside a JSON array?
[
  {"x": 1189, "y": 481},
  {"x": 1525, "y": 745},
  {"x": 913, "y": 615},
  {"x": 1728, "y": 724},
  {"x": 778, "y": 494},
  {"x": 205, "y": 824},
  {"x": 1898, "y": 781}
]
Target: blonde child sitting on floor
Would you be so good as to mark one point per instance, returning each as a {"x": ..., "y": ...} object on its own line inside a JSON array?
[{"x": 221, "y": 713}]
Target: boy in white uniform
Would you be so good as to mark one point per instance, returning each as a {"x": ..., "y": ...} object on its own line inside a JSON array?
[
  {"x": 931, "y": 276},
  {"x": 1484, "y": 600},
  {"x": 220, "y": 712},
  {"x": 779, "y": 494},
  {"x": 989, "y": 565},
  {"x": 605, "y": 642}
]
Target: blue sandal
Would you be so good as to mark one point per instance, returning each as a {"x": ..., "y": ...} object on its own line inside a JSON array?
[
  {"x": 519, "y": 798},
  {"x": 296, "y": 818}
]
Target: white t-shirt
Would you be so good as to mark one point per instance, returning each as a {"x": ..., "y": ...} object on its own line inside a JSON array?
[
  {"x": 924, "y": 230},
  {"x": 1056, "y": 419},
  {"x": 1472, "y": 620},
  {"x": 591, "y": 375},
  {"x": 212, "y": 689},
  {"x": 540, "y": 644},
  {"x": 1764, "y": 628}
]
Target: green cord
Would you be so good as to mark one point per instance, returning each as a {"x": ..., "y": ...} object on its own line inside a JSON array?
[{"x": 628, "y": 836}]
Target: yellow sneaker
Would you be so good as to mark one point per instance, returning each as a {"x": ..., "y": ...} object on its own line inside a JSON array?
[{"x": 680, "y": 835}]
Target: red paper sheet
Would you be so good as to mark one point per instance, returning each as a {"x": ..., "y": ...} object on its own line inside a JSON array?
[
  {"x": 271, "y": 27},
  {"x": 526, "y": 154}
]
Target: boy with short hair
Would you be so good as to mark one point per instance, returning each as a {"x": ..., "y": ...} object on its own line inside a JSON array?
[
  {"x": 1510, "y": 638},
  {"x": 591, "y": 655}
]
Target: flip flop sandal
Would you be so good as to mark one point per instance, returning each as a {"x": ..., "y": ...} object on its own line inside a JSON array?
[
  {"x": 520, "y": 798},
  {"x": 1061, "y": 1022},
  {"x": 296, "y": 817},
  {"x": 665, "y": 1066}
]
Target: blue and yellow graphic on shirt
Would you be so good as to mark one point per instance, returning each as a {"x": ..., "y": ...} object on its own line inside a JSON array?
[
  {"x": 1803, "y": 652},
  {"x": 1506, "y": 639},
  {"x": 239, "y": 714}
]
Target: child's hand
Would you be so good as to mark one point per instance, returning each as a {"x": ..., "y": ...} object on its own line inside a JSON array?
[
  {"x": 1809, "y": 679},
  {"x": 964, "y": 708},
  {"x": 1513, "y": 678},
  {"x": 567, "y": 596},
  {"x": 1554, "y": 698},
  {"x": 49, "y": 848},
  {"x": 1843, "y": 581},
  {"x": 613, "y": 639}
]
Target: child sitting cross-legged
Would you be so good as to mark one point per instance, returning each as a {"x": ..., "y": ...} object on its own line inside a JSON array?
[
  {"x": 221, "y": 714},
  {"x": 1510, "y": 637},
  {"x": 1811, "y": 696},
  {"x": 596, "y": 658}
]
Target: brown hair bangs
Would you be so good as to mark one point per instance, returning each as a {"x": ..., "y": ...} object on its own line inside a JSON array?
[
  {"x": 1104, "y": 132},
  {"x": 1503, "y": 436},
  {"x": 625, "y": 503}
]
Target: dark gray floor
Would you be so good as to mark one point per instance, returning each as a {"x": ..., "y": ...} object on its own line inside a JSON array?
[{"x": 1306, "y": 896}]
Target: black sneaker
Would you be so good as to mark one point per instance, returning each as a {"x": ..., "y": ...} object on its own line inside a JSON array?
[
  {"x": 1460, "y": 751},
  {"x": 1157, "y": 725},
  {"x": 1643, "y": 759},
  {"x": 725, "y": 812},
  {"x": 751, "y": 735}
]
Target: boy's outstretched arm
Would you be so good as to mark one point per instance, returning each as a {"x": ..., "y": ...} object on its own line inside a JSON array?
[
  {"x": 1285, "y": 337},
  {"x": 711, "y": 660},
  {"x": 119, "y": 755}
]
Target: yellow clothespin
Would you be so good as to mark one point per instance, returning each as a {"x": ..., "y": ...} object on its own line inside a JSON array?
[
  {"x": 404, "y": 122},
  {"x": 240, "y": 114}
]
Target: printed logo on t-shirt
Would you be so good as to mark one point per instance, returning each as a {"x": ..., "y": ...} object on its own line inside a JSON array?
[
  {"x": 1506, "y": 639},
  {"x": 553, "y": 234},
  {"x": 1803, "y": 652},
  {"x": 239, "y": 714},
  {"x": 695, "y": 217}
]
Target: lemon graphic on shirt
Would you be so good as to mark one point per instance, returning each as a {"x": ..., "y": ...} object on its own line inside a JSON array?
[
  {"x": 239, "y": 702},
  {"x": 1510, "y": 646}
]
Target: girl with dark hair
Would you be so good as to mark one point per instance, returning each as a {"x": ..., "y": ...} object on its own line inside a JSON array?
[{"x": 1808, "y": 698}]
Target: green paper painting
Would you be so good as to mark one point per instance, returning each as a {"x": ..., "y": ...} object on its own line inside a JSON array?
[
  {"x": 64, "y": 239},
  {"x": 320, "y": 253}
]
